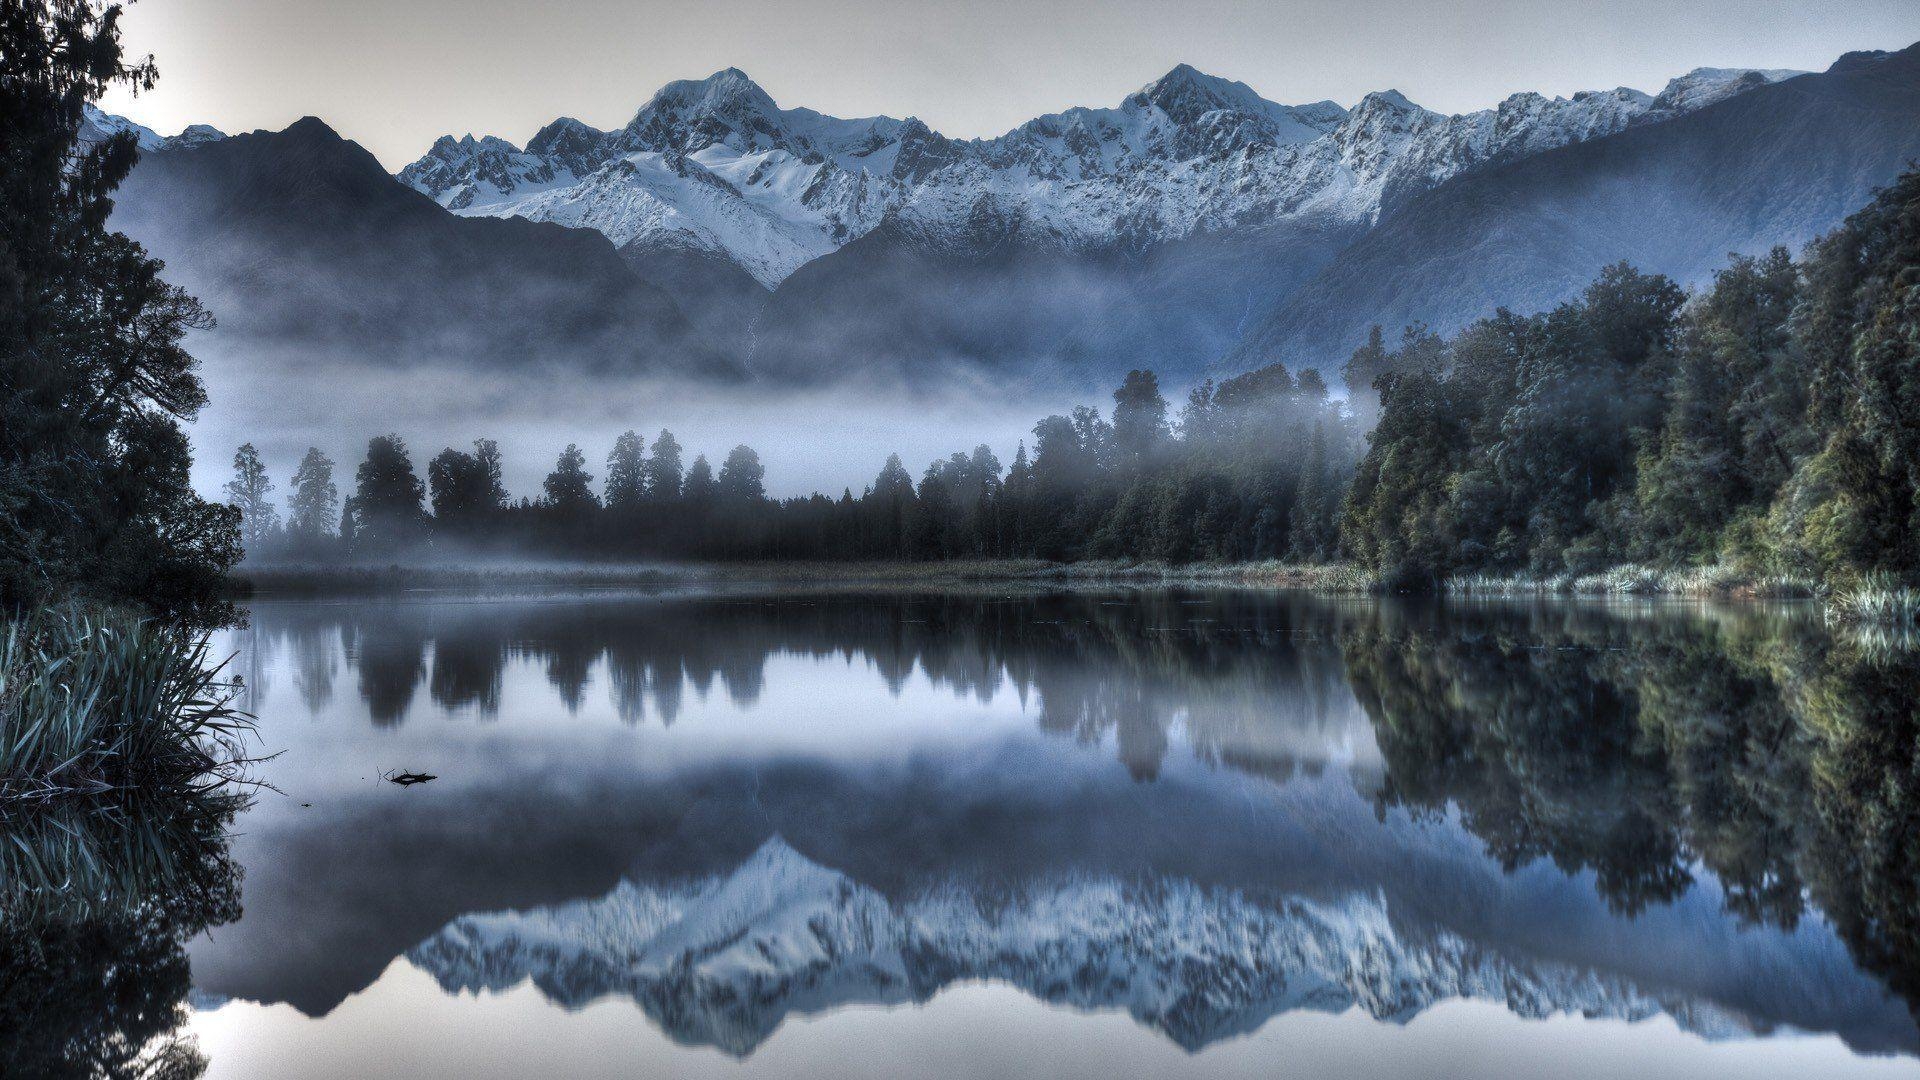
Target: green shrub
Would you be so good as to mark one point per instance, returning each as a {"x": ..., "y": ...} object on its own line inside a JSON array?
[{"x": 94, "y": 703}]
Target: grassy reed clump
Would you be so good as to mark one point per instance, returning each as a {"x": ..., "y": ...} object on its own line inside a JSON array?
[
  {"x": 1636, "y": 579},
  {"x": 1878, "y": 600},
  {"x": 96, "y": 703}
]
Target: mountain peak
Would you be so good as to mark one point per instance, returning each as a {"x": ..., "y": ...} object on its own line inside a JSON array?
[
  {"x": 1183, "y": 74},
  {"x": 1389, "y": 99},
  {"x": 1864, "y": 58},
  {"x": 312, "y": 129},
  {"x": 1186, "y": 93},
  {"x": 1704, "y": 86},
  {"x": 722, "y": 90}
]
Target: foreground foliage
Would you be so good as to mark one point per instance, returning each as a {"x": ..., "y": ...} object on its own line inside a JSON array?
[
  {"x": 93, "y": 704},
  {"x": 94, "y": 379}
]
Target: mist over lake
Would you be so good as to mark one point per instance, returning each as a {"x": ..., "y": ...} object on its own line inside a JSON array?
[{"x": 827, "y": 538}]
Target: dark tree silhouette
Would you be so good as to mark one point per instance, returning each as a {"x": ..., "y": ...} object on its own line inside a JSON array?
[{"x": 94, "y": 381}]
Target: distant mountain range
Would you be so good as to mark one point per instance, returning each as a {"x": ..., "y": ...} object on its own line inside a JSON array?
[{"x": 1193, "y": 226}]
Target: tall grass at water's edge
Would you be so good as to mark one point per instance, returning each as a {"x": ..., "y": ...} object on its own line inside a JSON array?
[
  {"x": 1878, "y": 600},
  {"x": 94, "y": 704},
  {"x": 1633, "y": 579}
]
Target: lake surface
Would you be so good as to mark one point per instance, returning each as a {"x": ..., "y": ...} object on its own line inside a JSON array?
[{"x": 1017, "y": 832}]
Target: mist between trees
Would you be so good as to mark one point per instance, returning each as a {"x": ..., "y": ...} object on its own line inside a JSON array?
[
  {"x": 1249, "y": 469},
  {"x": 1766, "y": 423}
]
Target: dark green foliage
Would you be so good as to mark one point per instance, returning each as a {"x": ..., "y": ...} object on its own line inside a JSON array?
[
  {"x": 742, "y": 482},
  {"x": 1767, "y": 422},
  {"x": 1139, "y": 418},
  {"x": 315, "y": 504},
  {"x": 569, "y": 487},
  {"x": 626, "y": 472},
  {"x": 466, "y": 489},
  {"x": 247, "y": 492},
  {"x": 1856, "y": 509},
  {"x": 386, "y": 509},
  {"x": 698, "y": 490},
  {"x": 663, "y": 473},
  {"x": 94, "y": 381}
]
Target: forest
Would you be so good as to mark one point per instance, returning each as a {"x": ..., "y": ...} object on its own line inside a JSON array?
[
  {"x": 1764, "y": 426},
  {"x": 1769, "y": 423},
  {"x": 1249, "y": 469}
]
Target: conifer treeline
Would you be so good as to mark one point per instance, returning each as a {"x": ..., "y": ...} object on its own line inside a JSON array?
[
  {"x": 1250, "y": 469},
  {"x": 1769, "y": 423}
]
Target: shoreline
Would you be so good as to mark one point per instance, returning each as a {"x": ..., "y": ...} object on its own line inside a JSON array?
[
  {"x": 1872, "y": 604},
  {"x": 295, "y": 580}
]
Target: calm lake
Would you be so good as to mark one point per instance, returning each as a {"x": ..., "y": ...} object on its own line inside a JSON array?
[{"x": 1005, "y": 832}]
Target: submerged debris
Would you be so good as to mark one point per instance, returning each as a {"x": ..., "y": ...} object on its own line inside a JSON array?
[{"x": 407, "y": 779}]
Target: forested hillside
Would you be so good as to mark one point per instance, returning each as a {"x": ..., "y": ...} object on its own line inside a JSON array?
[{"x": 1772, "y": 422}]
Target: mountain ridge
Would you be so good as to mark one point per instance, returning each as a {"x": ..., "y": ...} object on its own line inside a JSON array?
[
  {"x": 1195, "y": 228},
  {"x": 1775, "y": 166},
  {"x": 715, "y": 165},
  {"x": 300, "y": 238}
]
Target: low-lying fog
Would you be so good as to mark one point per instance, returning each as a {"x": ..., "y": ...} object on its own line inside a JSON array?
[{"x": 812, "y": 439}]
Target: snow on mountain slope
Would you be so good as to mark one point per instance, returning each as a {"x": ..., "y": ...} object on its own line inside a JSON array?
[
  {"x": 715, "y": 166},
  {"x": 98, "y": 125},
  {"x": 723, "y": 961}
]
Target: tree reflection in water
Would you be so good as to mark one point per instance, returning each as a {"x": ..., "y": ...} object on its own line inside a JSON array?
[
  {"x": 1638, "y": 743},
  {"x": 1780, "y": 758}
]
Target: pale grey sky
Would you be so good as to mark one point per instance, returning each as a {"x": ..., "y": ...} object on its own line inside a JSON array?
[{"x": 394, "y": 74}]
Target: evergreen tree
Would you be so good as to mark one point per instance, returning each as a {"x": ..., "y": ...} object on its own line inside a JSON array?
[
  {"x": 931, "y": 533},
  {"x": 1312, "y": 536},
  {"x": 569, "y": 486},
  {"x": 893, "y": 492},
  {"x": 247, "y": 492},
  {"x": 315, "y": 502},
  {"x": 493, "y": 493},
  {"x": 1367, "y": 364},
  {"x": 386, "y": 509},
  {"x": 663, "y": 471},
  {"x": 626, "y": 472},
  {"x": 1199, "y": 418},
  {"x": 742, "y": 480},
  {"x": 699, "y": 489},
  {"x": 1139, "y": 417},
  {"x": 465, "y": 488}
]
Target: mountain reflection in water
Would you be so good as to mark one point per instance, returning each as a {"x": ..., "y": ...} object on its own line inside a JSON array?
[{"x": 1204, "y": 808}]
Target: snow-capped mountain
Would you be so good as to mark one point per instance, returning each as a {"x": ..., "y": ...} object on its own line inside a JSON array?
[
  {"x": 1775, "y": 167},
  {"x": 1194, "y": 228},
  {"x": 715, "y": 166},
  {"x": 97, "y": 126},
  {"x": 723, "y": 961}
]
